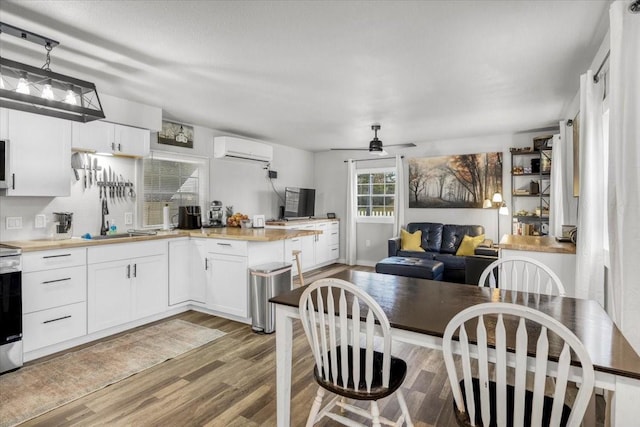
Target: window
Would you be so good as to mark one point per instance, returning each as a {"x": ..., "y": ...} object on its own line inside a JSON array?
[
  {"x": 376, "y": 194},
  {"x": 171, "y": 179}
]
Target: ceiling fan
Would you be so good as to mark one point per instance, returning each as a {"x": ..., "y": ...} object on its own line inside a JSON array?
[{"x": 375, "y": 146}]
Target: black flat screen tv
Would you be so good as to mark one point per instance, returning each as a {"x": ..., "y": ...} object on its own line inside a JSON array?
[{"x": 299, "y": 202}]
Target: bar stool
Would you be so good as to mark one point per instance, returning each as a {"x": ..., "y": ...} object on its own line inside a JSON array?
[{"x": 296, "y": 253}]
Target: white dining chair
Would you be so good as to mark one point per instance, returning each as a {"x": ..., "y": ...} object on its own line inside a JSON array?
[
  {"x": 343, "y": 324},
  {"x": 524, "y": 274},
  {"x": 484, "y": 401}
]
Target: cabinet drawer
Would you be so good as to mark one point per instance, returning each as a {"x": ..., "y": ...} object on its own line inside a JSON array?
[
  {"x": 335, "y": 252},
  {"x": 53, "y": 288},
  {"x": 334, "y": 237},
  {"x": 227, "y": 247},
  {"x": 53, "y": 326},
  {"x": 59, "y": 258},
  {"x": 108, "y": 253}
]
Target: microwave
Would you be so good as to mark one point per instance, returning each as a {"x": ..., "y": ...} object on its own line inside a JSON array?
[{"x": 5, "y": 172}]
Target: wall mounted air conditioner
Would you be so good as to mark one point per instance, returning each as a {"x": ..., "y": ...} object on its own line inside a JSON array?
[{"x": 229, "y": 147}]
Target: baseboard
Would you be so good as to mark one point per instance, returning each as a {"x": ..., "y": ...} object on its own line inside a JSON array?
[{"x": 366, "y": 263}]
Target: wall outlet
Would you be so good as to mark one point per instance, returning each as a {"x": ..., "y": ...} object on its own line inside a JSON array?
[
  {"x": 273, "y": 174},
  {"x": 41, "y": 221},
  {"x": 14, "y": 222},
  {"x": 367, "y": 243},
  {"x": 128, "y": 218}
]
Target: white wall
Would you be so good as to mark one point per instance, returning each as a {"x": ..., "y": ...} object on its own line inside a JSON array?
[{"x": 331, "y": 179}]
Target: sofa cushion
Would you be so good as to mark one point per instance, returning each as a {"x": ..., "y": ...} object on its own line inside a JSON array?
[
  {"x": 469, "y": 245},
  {"x": 411, "y": 241},
  {"x": 451, "y": 262},
  {"x": 431, "y": 234},
  {"x": 452, "y": 236}
]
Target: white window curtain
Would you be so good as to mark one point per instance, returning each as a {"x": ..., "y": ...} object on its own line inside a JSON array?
[
  {"x": 624, "y": 173},
  {"x": 590, "y": 244},
  {"x": 352, "y": 194},
  {"x": 559, "y": 202},
  {"x": 398, "y": 204}
]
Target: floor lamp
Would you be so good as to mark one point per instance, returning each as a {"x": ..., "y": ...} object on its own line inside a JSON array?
[{"x": 501, "y": 208}]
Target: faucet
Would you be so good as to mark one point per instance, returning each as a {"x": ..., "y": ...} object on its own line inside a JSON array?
[{"x": 105, "y": 211}]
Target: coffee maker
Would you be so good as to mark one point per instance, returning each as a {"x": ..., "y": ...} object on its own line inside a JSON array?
[
  {"x": 216, "y": 214},
  {"x": 62, "y": 225}
]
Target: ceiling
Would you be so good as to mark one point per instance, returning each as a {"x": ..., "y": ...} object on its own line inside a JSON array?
[{"x": 317, "y": 74}]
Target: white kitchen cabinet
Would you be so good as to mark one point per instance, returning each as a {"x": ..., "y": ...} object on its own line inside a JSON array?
[
  {"x": 40, "y": 154},
  {"x": 125, "y": 283},
  {"x": 317, "y": 250},
  {"x": 54, "y": 285},
  {"x": 187, "y": 270},
  {"x": 227, "y": 288},
  {"x": 111, "y": 138},
  {"x": 227, "y": 277}
]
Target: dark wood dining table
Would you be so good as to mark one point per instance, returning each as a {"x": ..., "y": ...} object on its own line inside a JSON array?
[{"x": 419, "y": 311}]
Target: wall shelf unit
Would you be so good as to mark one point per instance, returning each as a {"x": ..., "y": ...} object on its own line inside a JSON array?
[{"x": 531, "y": 189}]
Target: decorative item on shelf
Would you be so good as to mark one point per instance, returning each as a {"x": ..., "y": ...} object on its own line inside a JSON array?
[
  {"x": 520, "y": 149},
  {"x": 534, "y": 187},
  {"x": 540, "y": 142},
  {"x": 40, "y": 90}
]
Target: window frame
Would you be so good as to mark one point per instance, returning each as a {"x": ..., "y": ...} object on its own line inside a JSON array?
[
  {"x": 203, "y": 180},
  {"x": 375, "y": 219}
]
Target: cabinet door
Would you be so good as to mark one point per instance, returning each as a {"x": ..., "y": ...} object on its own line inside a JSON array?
[
  {"x": 40, "y": 155},
  {"x": 179, "y": 271},
  {"x": 94, "y": 136},
  {"x": 149, "y": 286},
  {"x": 199, "y": 270},
  {"x": 308, "y": 248},
  {"x": 132, "y": 141},
  {"x": 323, "y": 251},
  {"x": 227, "y": 286},
  {"x": 108, "y": 294}
]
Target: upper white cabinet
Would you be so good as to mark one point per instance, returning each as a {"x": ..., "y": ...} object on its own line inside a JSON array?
[
  {"x": 104, "y": 137},
  {"x": 40, "y": 154}
]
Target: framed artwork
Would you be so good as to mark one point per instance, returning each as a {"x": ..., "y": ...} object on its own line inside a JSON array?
[
  {"x": 456, "y": 181},
  {"x": 176, "y": 134}
]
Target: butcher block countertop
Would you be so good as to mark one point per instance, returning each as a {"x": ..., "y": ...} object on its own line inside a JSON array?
[
  {"x": 231, "y": 233},
  {"x": 536, "y": 244}
]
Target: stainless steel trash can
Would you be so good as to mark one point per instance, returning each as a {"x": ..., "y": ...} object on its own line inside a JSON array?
[{"x": 267, "y": 280}]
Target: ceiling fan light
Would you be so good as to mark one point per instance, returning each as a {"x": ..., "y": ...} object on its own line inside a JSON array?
[{"x": 375, "y": 145}]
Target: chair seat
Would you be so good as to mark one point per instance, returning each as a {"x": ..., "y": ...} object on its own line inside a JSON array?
[
  {"x": 463, "y": 418},
  {"x": 396, "y": 377}
]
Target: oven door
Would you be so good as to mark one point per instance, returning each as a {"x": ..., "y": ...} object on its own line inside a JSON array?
[{"x": 10, "y": 307}]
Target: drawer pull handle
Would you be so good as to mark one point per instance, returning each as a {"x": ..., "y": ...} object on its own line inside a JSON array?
[
  {"x": 223, "y": 244},
  {"x": 59, "y": 318},
  {"x": 206, "y": 263},
  {"x": 295, "y": 240},
  {"x": 135, "y": 270},
  {"x": 129, "y": 271},
  {"x": 55, "y": 256},
  {"x": 56, "y": 281},
  {"x": 333, "y": 234}
]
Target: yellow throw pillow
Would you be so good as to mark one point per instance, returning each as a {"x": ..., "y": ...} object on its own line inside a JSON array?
[
  {"x": 469, "y": 244},
  {"x": 411, "y": 241}
]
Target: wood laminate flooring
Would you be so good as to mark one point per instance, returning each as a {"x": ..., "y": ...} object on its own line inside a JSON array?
[{"x": 231, "y": 382}]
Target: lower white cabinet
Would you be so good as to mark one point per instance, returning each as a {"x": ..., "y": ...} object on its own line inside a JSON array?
[
  {"x": 123, "y": 290},
  {"x": 227, "y": 287},
  {"x": 54, "y": 291},
  {"x": 317, "y": 250},
  {"x": 188, "y": 263}
]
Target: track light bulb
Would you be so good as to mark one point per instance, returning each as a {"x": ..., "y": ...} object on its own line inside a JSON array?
[
  {"x": 47, "y": 91},
  {"x": 23, "y": 85},
  {"x": 70, "y": 98}
]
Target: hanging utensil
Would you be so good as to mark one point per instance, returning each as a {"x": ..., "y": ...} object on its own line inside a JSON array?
[
  {"x": 76, "y": 163},
  {"x": 132, "y": 193},
  {"x": 95, "y": 169}
]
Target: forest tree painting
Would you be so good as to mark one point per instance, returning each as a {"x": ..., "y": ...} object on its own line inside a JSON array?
[{"x": 457, "y": 181}]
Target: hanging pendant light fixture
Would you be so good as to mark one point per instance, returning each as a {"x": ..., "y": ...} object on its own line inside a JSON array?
[{"x": 42, "y": 91}]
